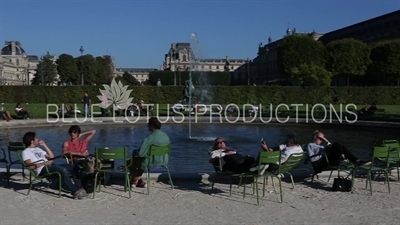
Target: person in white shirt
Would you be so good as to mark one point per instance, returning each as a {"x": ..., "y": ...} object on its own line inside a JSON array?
[
  {"x": 233, "y": 161},
  {"x": 335, "y": 153},
  {"x": 290, "y": 147},
  {"x": 37, "y": 158}
]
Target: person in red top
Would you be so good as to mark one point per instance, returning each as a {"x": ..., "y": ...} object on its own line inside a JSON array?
[
  {"x": 369, "y": 110},
  {"x": 77, "y": 147}
]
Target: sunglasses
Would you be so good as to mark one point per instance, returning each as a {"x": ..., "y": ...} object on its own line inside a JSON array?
[
  {"x": 219, "y": 142},
  {"x": 74, "y": 132}
]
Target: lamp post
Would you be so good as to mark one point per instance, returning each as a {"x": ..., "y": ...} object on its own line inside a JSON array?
[
  {"x": 266, "y": 63},
  {"x": 176, "y": 62},
  {"x": 248, "y": 71},
  {"x": 81, "y": 50}
]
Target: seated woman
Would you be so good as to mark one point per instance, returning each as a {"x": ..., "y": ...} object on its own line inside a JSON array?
[
  {"x": 6, "y": 115},
  {"x": 21, "y": 111},
  {"x": 335, "y": 153},
  {"x": 234, "y": 162},
  {"x": 77, "y": 147}
]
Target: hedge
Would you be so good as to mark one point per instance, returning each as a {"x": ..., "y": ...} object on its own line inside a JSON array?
[{"x": 220, "y": 94}]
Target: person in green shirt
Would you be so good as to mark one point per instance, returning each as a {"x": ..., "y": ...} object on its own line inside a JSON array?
[{"x": 139, "y": 163}]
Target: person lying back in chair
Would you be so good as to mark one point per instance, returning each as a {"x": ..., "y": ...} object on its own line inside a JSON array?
[
  {"x": 335, "y": 153},
  {"x": 233, "y": 161},
  {"x": 291, "y": 146}
]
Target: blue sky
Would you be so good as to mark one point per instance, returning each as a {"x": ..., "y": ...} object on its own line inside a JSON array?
[{"x": 139, "y": 32}]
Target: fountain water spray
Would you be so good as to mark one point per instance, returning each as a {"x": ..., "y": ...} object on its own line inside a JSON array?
[{"x": 195, "y": 61}]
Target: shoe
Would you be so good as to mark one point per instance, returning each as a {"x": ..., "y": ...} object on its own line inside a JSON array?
[
  {"x": 80, "y": 194},
  {"x": 139, "y": 184},
  {"x": 253, "y": 168},
  {"x": 363, "y": 163}
]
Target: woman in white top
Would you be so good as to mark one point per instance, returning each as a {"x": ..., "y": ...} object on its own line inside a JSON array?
[{"x": 21, "y": 111}]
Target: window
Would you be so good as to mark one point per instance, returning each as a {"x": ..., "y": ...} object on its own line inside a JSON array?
[
  {"x": 17, "y": 62},
  {"x": 217, "y": 67},
  {"x": 184, "y": 58}
]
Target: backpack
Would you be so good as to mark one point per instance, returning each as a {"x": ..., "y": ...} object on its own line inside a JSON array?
[{"x": 88, "y": 168}]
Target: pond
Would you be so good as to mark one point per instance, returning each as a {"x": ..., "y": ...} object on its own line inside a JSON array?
[{"x": 191, "y": 155}]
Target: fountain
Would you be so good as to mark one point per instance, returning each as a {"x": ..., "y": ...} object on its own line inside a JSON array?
[{"x": 201, "y": 95}]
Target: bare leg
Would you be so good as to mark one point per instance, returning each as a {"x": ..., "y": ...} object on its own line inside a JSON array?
[{"x": 8, "y": 115}]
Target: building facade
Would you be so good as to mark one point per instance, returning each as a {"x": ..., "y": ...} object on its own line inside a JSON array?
[
  {"x": 16, "y": 67},
  {"x": 179, "y": 58},
  {"x": 380, "y": 28}
]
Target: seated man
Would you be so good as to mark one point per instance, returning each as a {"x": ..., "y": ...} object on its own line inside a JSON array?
[
  {"x": 6, "y": 115},
  {"x": 37, "y": 159},
  {"x": 368, "y": 110},
  {"x": 117, "y": 110},
  {"x": 233, "y": 161},
  {"x": 176, "y": 108},
  {"x": 67, "y": 109},
  {"x": 291, "y": 146},
  {"x": 139, "y": 164},
  {"x": 253, "y": 110},
  {"x": 335, "y": 153}
]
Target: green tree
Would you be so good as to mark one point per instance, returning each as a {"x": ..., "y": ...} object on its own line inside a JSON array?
[
  {"x": 347, "y": 58},
  {"x": 90, "y": 69},
  {"x": 46, "y": 72},
  {"x": 68, "y": 69},
  {"x": 296, "y": 50},
  {"x": 104, "y": 72},
  {"x": 129, "y": 79},
  {"x": 312, "y": 75},
  {"x": 386, "y": 61}
]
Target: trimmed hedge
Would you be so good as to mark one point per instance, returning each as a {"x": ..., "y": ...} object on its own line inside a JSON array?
[{"x": 220, "y": 94}]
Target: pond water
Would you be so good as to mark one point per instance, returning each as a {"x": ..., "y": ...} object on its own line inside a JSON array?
[{"x": 191, "y": 155}]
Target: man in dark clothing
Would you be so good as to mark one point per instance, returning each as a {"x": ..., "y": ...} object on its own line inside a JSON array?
[{"x": 86, "y": 104}]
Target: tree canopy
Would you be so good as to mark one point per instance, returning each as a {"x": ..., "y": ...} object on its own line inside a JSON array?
[{"x": 347, "y": 58}]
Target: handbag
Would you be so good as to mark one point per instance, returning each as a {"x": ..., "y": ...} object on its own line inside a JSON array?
[{"x": 342, "y": 184}]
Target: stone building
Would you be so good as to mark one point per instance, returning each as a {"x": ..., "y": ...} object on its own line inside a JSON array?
[
  {"x": 140, "y": 74},
  {"x": 380, "y": 28},
  {"x": 265, "y": 65},
  {"x": 179, "y": 58},
  {"x": 16, "y": 67}
]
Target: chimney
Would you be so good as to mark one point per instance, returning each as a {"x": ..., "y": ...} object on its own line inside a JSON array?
[
  {"x": 13, "y": 49},
  {"x": 227, "y": 58}
]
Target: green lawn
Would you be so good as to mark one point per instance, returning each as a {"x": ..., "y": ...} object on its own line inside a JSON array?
[{"x": 392, "y": 112}]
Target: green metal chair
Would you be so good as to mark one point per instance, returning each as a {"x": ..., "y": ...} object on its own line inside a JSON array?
[
  {"x": 4, "y": 160},
  {"x": 394, "y": 155},
  {"x": 111, "y": 154},
  {"x": 343, "y": 166},
  {"x": 157, "y": 151},
  {"x": 219, "y": 172},
  {"x": 14, "y": 147},
  {"x": 38, "y": 177},
  {"x": 380, "y": 162},
  {"x": 285, "y": 168}
]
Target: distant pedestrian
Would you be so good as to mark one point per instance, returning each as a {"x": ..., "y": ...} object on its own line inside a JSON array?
[{"x": 86, "y": 104}]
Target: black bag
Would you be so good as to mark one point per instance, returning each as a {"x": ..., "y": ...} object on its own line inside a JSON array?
[
  {"x": 88, "y": 183},
  {"x": 342, "y": 184}
]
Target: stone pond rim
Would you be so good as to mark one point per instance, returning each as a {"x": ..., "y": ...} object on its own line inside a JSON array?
[{"x": 17, "y": 124}]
